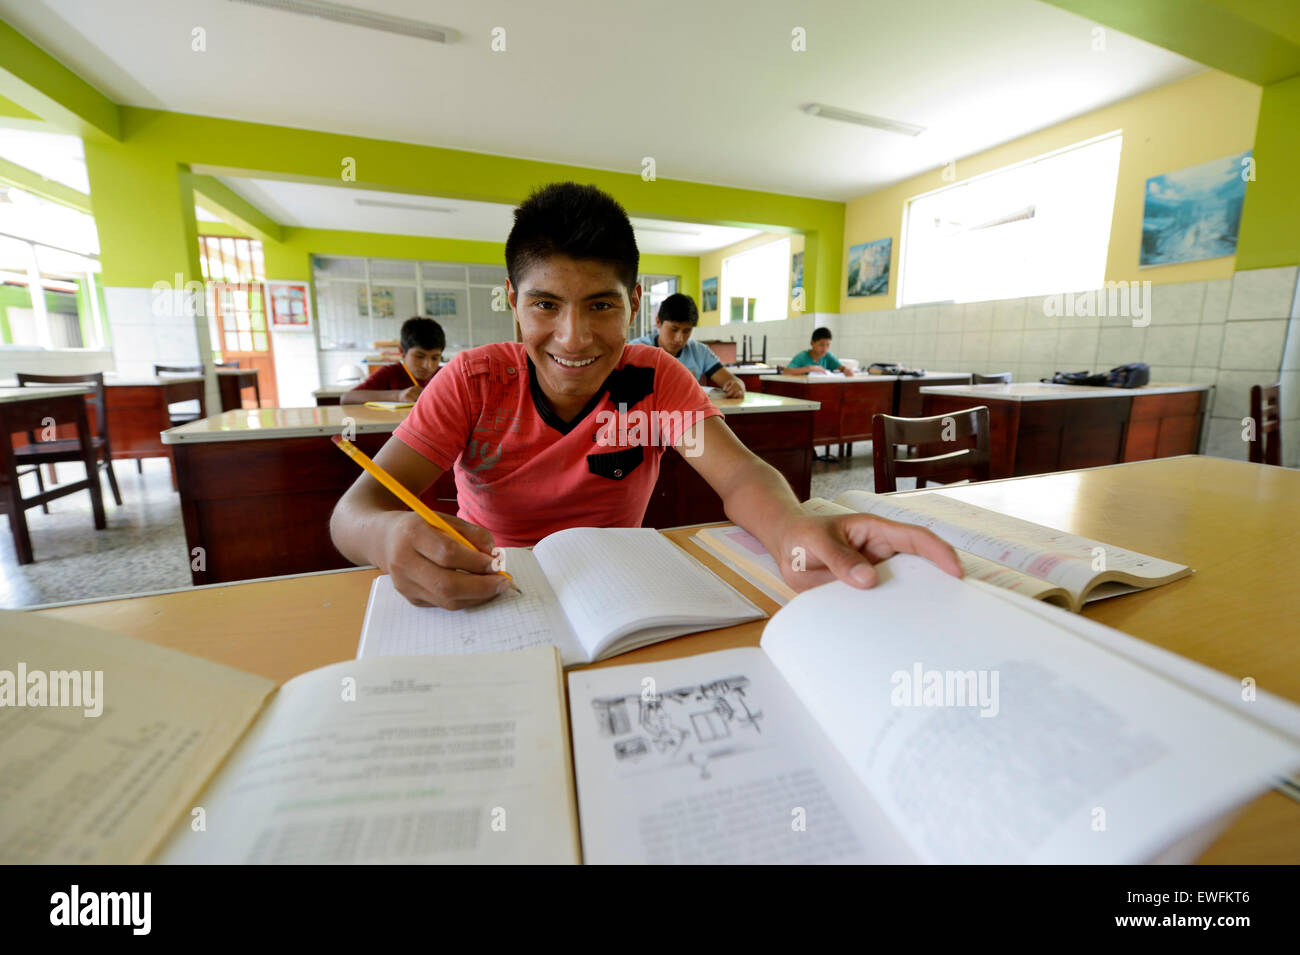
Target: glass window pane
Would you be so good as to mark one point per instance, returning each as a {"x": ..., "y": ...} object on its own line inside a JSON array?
[
  {"x": 245, "y": 341},
  {"x": 258, "y": 322},
  {"x": 242, "y": 321},
  {"x": 259, "y": 341},
  {"x": 232, "y": 341}
]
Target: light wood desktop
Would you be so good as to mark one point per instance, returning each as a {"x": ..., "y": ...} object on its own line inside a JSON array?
[{"x": 1236, "y": 523}]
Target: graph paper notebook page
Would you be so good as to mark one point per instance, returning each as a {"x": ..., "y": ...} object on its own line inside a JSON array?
[
  {"x": 1020, "y": 556},
  {"x": 590, "y": 592},
  {"x": 989, "y": 742}
]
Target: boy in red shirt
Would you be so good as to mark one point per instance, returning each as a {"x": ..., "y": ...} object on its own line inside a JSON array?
[
  {"x": 422, "y": 341},
  {"x": 566, "y": 429}
]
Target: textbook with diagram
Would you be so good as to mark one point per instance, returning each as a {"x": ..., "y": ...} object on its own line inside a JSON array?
[{"x": 1017, "y": 555}]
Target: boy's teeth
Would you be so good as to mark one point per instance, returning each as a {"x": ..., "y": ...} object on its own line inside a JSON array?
[{"x": 573, "y": 364}]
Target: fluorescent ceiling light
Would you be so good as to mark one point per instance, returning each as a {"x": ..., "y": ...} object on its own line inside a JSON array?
[
  {"x": 862, "y": 119},
  {"x": 359, "y": 18},
  {"x": 384, "y": 204},
  {"x": 653, "y": 228}
]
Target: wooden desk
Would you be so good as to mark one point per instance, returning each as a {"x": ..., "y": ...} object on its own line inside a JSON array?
[
  {"x": 1237, "y": 613},
  {"x": 847, "y": 404},
  {"x": 1035, "y": 428},
  {"x": 232, "y": 381},
  {"x": 32, "y": 409},
  {"x": 908, "y": 401},
  {"x": 751, "y": 376},
  {"x": 257, "y": 487},
  {"x": 138, "y": 414},
  {"x": 326, "y": 397},
  {"x": 776, "y": 428}
]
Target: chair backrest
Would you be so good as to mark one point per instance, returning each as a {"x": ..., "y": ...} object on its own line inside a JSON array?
[
  {"x": 177, "y": 370},
  {"x": 95, "y": 399},
  {"x": 953, "y": 447},
  {"x": 1000, "y": 378},
  {"x": 1265, "y": 411}
]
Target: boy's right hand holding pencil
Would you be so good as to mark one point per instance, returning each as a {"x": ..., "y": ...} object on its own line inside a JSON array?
[{"x": 424, "y": 562}]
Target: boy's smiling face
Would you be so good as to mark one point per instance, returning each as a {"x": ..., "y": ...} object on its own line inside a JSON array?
[{"x": 574, "y": 316}]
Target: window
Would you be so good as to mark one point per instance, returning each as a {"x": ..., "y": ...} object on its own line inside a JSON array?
[
  {"x": 1036, "y": 228},
  {"x": 756, "y": 284}
]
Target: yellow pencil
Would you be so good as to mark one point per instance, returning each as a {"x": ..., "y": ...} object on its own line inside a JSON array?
[
  {"x": 409, "y": 373},
  {"x": 431, "y": 517}
]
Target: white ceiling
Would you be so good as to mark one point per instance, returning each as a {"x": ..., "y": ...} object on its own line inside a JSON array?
[
  {"x": 710, "y": 90},
  {"x": 337, "y": 207}
]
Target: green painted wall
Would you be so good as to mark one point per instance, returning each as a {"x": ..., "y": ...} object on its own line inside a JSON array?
[
  {"x": 145, "y": 236},
  {"x": 16, "y": 296},
  {"x": 1270, "y": 219}
]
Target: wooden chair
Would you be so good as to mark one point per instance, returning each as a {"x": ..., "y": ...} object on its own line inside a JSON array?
[
  {"x": 969, "y": 438},
  {"x": 177, "y": 417},
  {"x": 1265, "y": 411},
  {"x": 1000, "y": 378},
  {"x": 70, "y": 449}
]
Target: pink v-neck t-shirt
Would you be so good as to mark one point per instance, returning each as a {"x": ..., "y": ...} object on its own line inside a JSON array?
[{"x": 523, "y": 473}]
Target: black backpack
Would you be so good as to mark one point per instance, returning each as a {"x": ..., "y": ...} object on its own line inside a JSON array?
[{"x": 1133, "y": 375}]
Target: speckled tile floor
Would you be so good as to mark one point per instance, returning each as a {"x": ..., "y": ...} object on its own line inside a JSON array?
[
  {"x": 141, "y": 550},
  {"x": 852, "y": 474}
]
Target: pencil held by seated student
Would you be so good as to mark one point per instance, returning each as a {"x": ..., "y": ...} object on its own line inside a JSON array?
[
  {"x": 426, "y": 513},
  {"x": 531, "y": 431},
  {"x": 421, "y": 343}
]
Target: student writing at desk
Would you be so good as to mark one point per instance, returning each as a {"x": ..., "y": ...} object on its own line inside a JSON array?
[
  {"x": 565, "y": 429},
  {"x": 816, "y": 358},
  {"x": 421, "y": 343},
  {"x": 677, "y": 318}
]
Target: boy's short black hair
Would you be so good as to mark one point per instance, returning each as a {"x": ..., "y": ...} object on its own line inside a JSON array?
[
  {"x": 580, "y": 222},
  {"x": 820, "y": 333},
  {"x": 679, "y": 307},
  {"x": 423, "y": 333}
]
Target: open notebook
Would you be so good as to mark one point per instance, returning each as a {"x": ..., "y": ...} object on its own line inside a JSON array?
[
  {"x": 390, "y": 405},
  {"x": 958, "y": 726},
  {"x": 400, "y": 760},
  {"x": 1001, "y": 550},
  {"x": 591, "y": 592}
]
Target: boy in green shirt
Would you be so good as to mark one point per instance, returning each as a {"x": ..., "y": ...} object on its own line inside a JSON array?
[{"x": 817, "y": 358}]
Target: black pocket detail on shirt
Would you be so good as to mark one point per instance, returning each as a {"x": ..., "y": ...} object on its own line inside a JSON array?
[{"x": 616, "y": 465}]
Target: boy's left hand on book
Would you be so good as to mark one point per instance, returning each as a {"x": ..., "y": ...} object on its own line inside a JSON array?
[{"x": 817, "y": 549}]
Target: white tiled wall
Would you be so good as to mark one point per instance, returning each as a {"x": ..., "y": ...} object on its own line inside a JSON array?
[
  {"x": 1231, "y": 333},
  {"x": 142, "y": 339},
  {"x": 59, "y": 361}
]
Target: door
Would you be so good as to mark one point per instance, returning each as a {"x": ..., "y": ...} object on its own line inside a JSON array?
[{"x": 240, "y": 313}]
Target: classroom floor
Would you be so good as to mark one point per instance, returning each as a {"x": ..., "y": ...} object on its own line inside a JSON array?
[
  {"x": 856, "y": 473},
  {"x": 143, "y": 548}
]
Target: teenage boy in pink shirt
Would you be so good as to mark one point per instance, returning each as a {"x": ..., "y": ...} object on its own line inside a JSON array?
[{"x": 566, "y": 429}]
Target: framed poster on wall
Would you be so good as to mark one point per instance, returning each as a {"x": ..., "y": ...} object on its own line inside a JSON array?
[{"x": 290, "y": 305}]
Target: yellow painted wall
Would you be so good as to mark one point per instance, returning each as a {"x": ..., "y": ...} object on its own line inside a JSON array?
[
  {"x": 711, "y": 267},
  {"x": 1204, "y": 117}
]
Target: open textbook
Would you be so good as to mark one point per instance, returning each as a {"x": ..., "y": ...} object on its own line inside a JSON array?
[
  {"x": 590, "y": 592},
  {"x": 1001, "y": 550},
  {"x": 968, "y": 729},
  {"x": 400, "y": 760}
]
